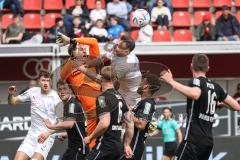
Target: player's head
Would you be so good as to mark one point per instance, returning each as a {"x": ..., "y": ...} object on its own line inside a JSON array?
[
  {"x": 200, "y": 63},
  {"x": 149, "y": 85},
  {"x": 108, "y": 74},
  {"x": 167, "y": 112},
  {"x": 45, "y": 80},
  {"x": 63, "y": 90},
  {"x": 124, "y": 46}
]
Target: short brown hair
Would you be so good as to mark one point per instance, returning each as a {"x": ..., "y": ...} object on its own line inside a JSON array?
[
  {"x": 153, "y": 82},
  {"x": 200, "y": 62},
  {"x": 45, "y": 74},
  {"x": 61, "y": 82},
  {"x": 127, "y": 43},
  {"x": 108, "y": 73}
]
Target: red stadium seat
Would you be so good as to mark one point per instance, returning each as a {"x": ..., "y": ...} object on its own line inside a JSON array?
[
  {"x": 161, "y": 36},
  {"x": 53, "y": 4},
  {"x": 218, "y": 14},
  {"x": 32, "y": 21},
  {"x": 32, "y": 5},
  {"x": 134, "y": 34},
  {"x": 238, "y": 16},
  {"x": 180, "y": 3},
  {"x": 181, "y": 19},
  {"x": 182, "y": 35},
  {"x": 220, "y": 3},
  {"x": 69, "y": 3},
  {"x": 91, "y": 4},
  {"x": 201, "y": 3},
  {"x": 49, "y": 19},
  {"x": 7, "y": 19},
  {"x": 237, "y": 3},
  {"x": 198, "y": 16}
]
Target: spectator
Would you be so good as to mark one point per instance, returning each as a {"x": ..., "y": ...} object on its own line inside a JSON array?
[
  {"x": 237, "y": 94},
  {"x": 98, "y": 13},
  {"x": 119, "y": 9},
  {"x": 13, "y": 5},
  {"x": 79, "y": 30},
  {"x": 168, "y": 4},
  {"x": 80, "y": 9},
  {"x": 115, "y": 29},
  {"x": 227, "y": 26},
  {"x": 139, "y": 3},
  {"x": 205, "y": 31},
  {"x": 14, "y": 32},
  {"x": 99, "y": 32},
  {"x": 129, "y": 6},
  {"x": 145, "y": 34},
  {"x": 161, "y": 15},
  {"x": 58, "y": 27}
]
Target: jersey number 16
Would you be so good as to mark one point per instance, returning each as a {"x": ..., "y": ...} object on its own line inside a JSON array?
[{"x": 211, "y": 102}]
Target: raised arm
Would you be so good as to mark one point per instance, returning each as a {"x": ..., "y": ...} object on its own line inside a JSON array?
[
  {"x": 11, "y": 98},
  {"x": 191, "y": 92}
]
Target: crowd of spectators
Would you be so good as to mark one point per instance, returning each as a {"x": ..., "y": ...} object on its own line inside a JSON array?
[{"x": 110, "y": 22}]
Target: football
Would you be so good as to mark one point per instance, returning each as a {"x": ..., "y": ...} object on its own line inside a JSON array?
[{"x": 141, "y": 17}]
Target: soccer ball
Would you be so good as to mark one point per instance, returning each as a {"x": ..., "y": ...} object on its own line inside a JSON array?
[{"x": 141, "y": 17}]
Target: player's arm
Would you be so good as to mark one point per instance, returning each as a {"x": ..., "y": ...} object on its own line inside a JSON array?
[
  {"x": 102, "y": 126},
  {"x": 140, "y": 123},
  {"x": 61, "y": 125},
  {"x": 92, "y": 75},
  {"x": 11, "y": 98},
  {"x": 129, "y": 131},
  {"x": 191, "y": 92},
  {"x": 231, "y": 103},
  {"x": 179, "y": 135}
]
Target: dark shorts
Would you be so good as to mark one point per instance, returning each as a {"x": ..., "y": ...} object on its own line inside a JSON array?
[
  {"x": 190, "y": 151},
  {"x": 71, "y": 154},
  {"x": 104, "y": 153},
  {"x": 170, "y": 149}
]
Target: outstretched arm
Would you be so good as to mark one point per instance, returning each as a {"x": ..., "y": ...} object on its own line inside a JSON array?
[
  {"x": 11, "y": 98},
  {"x": 191, "y": 92},
  {"x": 231, "y": 103}
]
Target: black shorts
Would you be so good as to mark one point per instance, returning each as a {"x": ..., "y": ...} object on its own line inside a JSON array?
[
  {"x": 190, "y": 151},
  {"x": 170, "y": 149},
  {"x": 104, "y": 153},
  {"x": 71, "y": 154}
]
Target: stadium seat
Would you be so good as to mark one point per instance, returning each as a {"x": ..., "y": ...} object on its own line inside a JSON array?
[
  {"x": 32, "y": 5},
  {"x": 201, "y": 3},
  {"x": 69, "y": 3},
  {"x": 53, "y": 4},
  {"x": 198, "y": 16},
  {"x": 220, "y": 3},
  {"x": 237, "y": 3},
  {"x": 182, "y": 35},
  {"x": 161, "y": 36},
  {"x": 32, "y": 21},
  {"x": 180, "y": 3},
  {"x": 6, "y": 20},
  {"x": 238, "y": 16},
  {"x": 181, "y": 19},
  {"x": 49, "y": 19},
  {"x": 134, "y": 34},
  {"x": 91, "y": 4}
]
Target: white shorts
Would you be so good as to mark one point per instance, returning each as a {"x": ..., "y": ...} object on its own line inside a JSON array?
[{"x": 30, "y": 146}]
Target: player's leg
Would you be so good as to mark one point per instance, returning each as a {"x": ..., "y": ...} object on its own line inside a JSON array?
[
  {"x": 42, "y": 149},
  {"x": 21, "y": 156}
]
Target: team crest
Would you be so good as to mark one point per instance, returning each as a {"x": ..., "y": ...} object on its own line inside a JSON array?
[{"x": 101, "y": 101}]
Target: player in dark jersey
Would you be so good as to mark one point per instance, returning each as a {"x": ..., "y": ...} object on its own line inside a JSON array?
[
  {"x": 203, "y": 97},
  {"x": 143, "y": 113},
  {"x": 74, "y": 123},
  {"x": 112, "y": 111}
]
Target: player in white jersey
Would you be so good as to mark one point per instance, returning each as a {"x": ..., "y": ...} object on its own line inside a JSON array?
[
  {"x": 43, "y": 103},
  {"x": 124, "y": 62}
]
